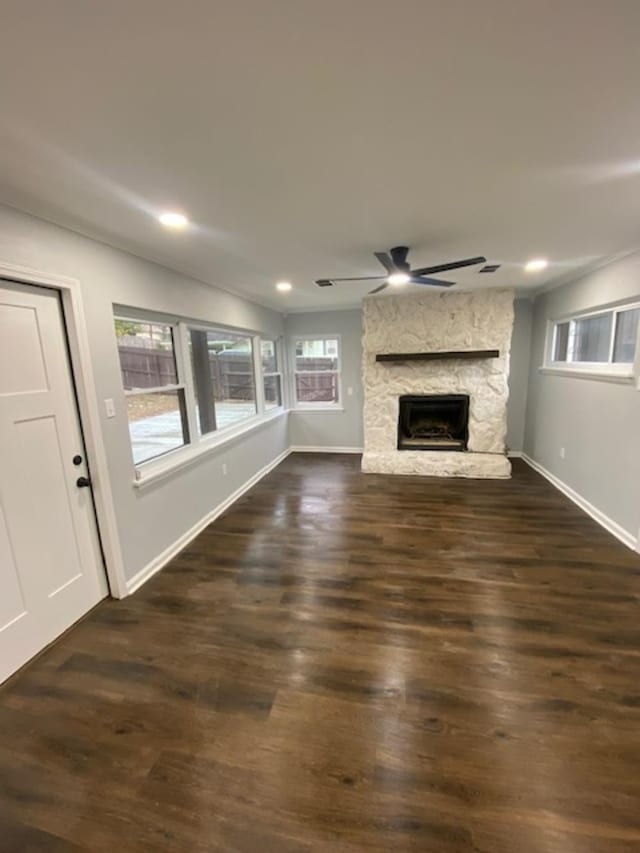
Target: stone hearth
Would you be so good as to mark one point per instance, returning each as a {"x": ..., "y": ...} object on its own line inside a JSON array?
[{"x": 436, "y": 322}]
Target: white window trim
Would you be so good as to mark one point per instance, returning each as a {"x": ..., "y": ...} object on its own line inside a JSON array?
[
  {"x": 620, "y": 379},
  {"x": 164, "y": 464},
  {"x": 184, "y": 328},
  {"x": 623, "y": 372},
  {"x": 320, "y": 406},
  {"x": 181, "y": 385},
  {"x": 279, "y": 364}
]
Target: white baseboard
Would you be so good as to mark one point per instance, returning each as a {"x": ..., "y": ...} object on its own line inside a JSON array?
[
  {"x": 299, "y": 448},
  {"x": 169, "y": 553},
  {"x": 603, "y": 520},
  {"x": 514, "y": 454}
]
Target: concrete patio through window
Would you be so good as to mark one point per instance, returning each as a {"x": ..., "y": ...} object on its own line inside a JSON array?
[{"x": 158, "y": 434}]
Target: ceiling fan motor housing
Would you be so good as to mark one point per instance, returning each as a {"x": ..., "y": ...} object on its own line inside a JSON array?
[{"x": 399, "y": 258}]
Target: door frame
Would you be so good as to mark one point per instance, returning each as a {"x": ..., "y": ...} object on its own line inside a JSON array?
[{"x": 82, "y": 371}]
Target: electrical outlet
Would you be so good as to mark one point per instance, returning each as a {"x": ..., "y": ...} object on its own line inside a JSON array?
[
  {"x": 562, "y": 453},
  {"x": 349, "y": 391},
  {"x": 224, "y": 469}
]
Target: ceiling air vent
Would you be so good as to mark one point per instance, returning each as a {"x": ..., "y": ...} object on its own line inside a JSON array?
[
  {"x": 324, "y": 282},
  {"x": 490, "y": 268}
]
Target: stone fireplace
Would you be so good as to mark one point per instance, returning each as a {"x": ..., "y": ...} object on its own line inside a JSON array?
[{"x": 435, "y": 376}]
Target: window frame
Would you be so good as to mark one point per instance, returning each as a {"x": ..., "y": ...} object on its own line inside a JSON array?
[
  {"x": 257, "y": 367},
  {"x": 277, "y": 349},
  {"x": 163, "y": 464},
  {"x": 179, "y": 385},
  {"x": 624, "y": 371},
  {"x": 319, "y": 406}
]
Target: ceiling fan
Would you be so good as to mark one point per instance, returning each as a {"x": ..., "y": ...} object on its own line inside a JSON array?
[{"x": 399, "y": 271}]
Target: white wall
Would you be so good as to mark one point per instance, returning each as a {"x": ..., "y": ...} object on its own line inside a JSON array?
[
  {"x": 152, "y": 519},
  {"x": 328, "y": 428},
  {"x": 597, "y": 422},
  {"x": 519, "y": 373}
]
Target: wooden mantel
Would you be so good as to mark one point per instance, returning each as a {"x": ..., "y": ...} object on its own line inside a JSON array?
[{"x": 435, "y": 356}]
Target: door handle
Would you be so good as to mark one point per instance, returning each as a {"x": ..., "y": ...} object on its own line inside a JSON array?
[{"x": 83, "y": 482}]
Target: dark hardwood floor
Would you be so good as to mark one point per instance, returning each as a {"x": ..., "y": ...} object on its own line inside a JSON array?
[{"x": 346, "y": 663}]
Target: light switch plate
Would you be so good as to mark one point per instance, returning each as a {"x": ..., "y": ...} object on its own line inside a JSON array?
[{"x": 110, "y": 408}]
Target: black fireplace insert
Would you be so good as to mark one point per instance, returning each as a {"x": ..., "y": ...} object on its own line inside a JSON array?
[{"x": 433, "y": 422}]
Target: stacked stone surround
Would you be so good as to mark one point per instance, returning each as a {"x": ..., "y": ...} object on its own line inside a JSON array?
[{"x": 437, "y": 322}]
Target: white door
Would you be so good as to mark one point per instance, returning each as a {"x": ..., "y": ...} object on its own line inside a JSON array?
[{"x": 50, "y": 564}]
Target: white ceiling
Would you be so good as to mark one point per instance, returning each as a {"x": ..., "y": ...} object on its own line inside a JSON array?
[{"x": 302, "y": 135}]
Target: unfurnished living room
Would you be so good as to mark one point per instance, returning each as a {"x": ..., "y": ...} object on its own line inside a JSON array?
[{"x": 320, "y": 426}]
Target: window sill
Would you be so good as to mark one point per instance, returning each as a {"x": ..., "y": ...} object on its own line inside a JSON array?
[
  {"x": 318, "y": 408},
  {"x": 158, "y": 469},
  {"x": 581, "y": 373}
]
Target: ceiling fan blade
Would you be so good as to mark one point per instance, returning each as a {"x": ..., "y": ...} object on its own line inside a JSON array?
[
  {"x": 454, "y": 265},
  {"x": 434, "y": 282},
  {"x": 322, "y": 282},
  {"x": 386, "y": 261},
  {"x": 379, "y": 288}
]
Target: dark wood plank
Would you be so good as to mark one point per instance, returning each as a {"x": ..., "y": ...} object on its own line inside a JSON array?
[
  {"x": 346, "y": 662},
  {"x": 438, "y": 356}
]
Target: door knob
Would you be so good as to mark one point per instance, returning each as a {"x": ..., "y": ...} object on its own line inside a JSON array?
[{"x": 83, "y": 482}]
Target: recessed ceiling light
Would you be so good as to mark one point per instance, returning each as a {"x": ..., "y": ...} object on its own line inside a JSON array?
[
  {"x": 171, "y": 219},
  {"x": 536, "y": 265},
  {"x": 283, "y": 286},
  {"x": 398, "y": 278}
]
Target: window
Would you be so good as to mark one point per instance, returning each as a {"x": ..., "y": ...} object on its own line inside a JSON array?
[
  {"x": 154, "y": 393},
  {"x": 223, "y": 378},
  {"x": 184, "y": 384},
  {"x": 604, "y": 341},
  {"x": 271, "y": 375},
  {"x": 317, "y": 372},
  {"x": 626, "y": 337}
]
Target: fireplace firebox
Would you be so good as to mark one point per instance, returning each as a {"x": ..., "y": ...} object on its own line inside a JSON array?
[{"x": 433, "y": 422}]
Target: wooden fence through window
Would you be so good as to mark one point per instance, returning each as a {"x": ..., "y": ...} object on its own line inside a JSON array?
[{"x": 231, "y": 374}]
